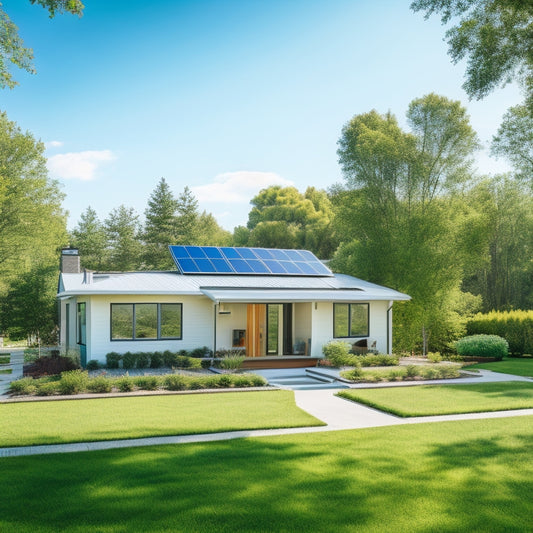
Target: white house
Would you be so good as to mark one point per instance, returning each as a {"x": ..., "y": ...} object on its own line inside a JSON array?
[{"x": 279, "y": 306}]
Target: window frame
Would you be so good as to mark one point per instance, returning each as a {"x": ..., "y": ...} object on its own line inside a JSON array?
[
  {"x": 141, "y": 339},
  {"x": 349, "y": 322},
  {"x": 81, "y": 320}
]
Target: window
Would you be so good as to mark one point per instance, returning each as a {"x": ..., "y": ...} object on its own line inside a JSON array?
[
  {"x": 82, "y": 324},
  {"x": 145, "y": 321},
  {"x": 350, "y": 320}
]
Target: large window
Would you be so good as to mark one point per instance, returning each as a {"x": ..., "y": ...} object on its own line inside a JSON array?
[
  {"x": 350, "y": 320},
  {"x": 146, "y": 321}
]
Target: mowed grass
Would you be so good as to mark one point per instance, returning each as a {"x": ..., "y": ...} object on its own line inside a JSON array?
[
  {"x": 516, "y": 365},
  {"x": 424, "y": 400},
  {"x": 453, "y": 476},
  {"x": 53, "y": 422}
]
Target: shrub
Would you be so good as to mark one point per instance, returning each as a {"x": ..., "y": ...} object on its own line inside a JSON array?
[
  {"x": 156, "y": 360},
  {"x": 434, "y": 357},
  {"x": 353, "y": 375},
  {"x": 449, "y": 372},
  {"x": 429, "y": 373},
  {"x": 23, "y": 387},
  {"x": 147, "y": 382},
  {"x": 411, "y": 371},
  {"x": 257, "y": 381},
  {"x": 129, "y": 360},
  {"x": 174, "y": 382},
  {"x": 47, "y": 388},
  {"x": 206, "y": 363},
  {"x": 224, "y": 381},
  {"x": 169, "y": 358},
  {"x": 99, "y": 384},
  {"x": 199, "y": 353},
  {"x": 50, "y": 365},
  {"x": 93, "y": 364},
  {"x": 514, "y": 326},
  {"x": 232, "y": 361},
  {"x": 196, "y": 383},
  {"x": 377, "y": 360},
  {"x": 124, "y": 384},
  {"x": 143, "y": 360},
  {"x": 113, "y": 359},
  {"x": 482, "y": 346},
  {"x": 338, "y": 353},
  {"x": 73, "y": 382},
  {"x": 396, "y": 374}
]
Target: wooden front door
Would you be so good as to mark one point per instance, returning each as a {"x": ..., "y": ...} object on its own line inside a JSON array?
[{"x": 255, "y": 330}]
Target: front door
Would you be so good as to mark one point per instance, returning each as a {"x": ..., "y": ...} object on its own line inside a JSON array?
[{"x": 269, "y": 330}]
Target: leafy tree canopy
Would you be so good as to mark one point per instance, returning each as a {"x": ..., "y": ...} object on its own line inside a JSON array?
[
  {"x": 12, "y": 49},
  {"x": 496, "y": 38}
]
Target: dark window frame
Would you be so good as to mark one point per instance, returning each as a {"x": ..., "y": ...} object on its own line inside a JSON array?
[
  {"x": 137, "y": 339},
  {"x": 349, "y": 322},
  {"x": 80, "y": 334}
]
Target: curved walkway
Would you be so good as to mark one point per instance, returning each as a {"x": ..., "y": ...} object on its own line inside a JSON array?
[{"x": 337, "y": 413}]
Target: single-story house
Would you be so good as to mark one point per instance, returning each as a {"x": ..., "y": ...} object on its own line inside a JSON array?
[{"x": 277, "y": 306}]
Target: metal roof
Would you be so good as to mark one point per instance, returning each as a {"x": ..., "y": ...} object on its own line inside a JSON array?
[{"x": 340, "y": 287}]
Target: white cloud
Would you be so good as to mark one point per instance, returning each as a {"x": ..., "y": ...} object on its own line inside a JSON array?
[
  {"x": 78, "y": 165},
  {"x": 54, "y": 144},
  {"x": 237, "y": 187}
]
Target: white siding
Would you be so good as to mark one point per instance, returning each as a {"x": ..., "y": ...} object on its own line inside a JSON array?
[
  {"x": 227, "y": 323},
  {"x": 302, "y": 323},
  {"x": 197, "y": 327}
]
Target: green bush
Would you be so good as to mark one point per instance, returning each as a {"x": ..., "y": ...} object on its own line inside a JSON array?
[
  {"x": 113, "y": 359},
  {"x": 129, "y": 360},
  {"x": 377, "y": 360},
  {"x": 143, "y": 359},
  {"x": 396, "y": 374},
  {"x": 338, "y": 353},
  {"x": 93, "y": 364},
  {"x": 73, "y": 382},
  {"x": 482, "y": 346},
  {"x": 99, "y": 384},
  {"x": 156, "y": 360},
  {"x": 22, "y": 387},
  {"x": 429, "y": 373},
  {"x": 174, "y": 382},
  {"x": 146, "y": 382},
  {"x": 206, "y": 363},
  {"x": 199, "y": 353},
  {"x": 514, "y": 326},
  {"x": 411, "y": 371},
  {"x": 434, "y": 357},
  {"x": 124, "y": 384},
  {"x": 232, "y": 361},
  {"x": 47, "y": 388},
  {"x": 352, "y": 375}
]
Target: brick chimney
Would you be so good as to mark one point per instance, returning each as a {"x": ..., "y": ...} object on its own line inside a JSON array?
[{"x": 70, "y": 261}]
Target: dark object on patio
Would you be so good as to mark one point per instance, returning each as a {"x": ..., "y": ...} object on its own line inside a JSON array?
[{"x": 364, "y": 346}]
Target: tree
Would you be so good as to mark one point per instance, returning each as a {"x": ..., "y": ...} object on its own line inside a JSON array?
[
  {"x": 494, "y": 36},
  {"x": 89, "y": 236},
  {"x": 186, "y": 218},
  {"x": 514, "y": 141},
  {"x": 160, "y": 227},
  {"x": 210, "y": 233},
  {"x": 12, "y": 50},
  {"x": 396, "y": 213},
  {"x": 122, "y": 229},
  {"x": 282, "y": 217}
]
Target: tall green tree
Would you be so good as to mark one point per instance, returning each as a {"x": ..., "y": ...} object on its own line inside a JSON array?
[
  {"x": 210, "y": 233},
  {"x": 160, "y": 227},
  {"x": 282, "y": 217},
  {"x": 12, "y": 49},
  {"x": 89, "y": 236},
  {"x": 124, "y": 246},
  {"x": 514, "y": 141},
  {"x": 495, "y": 38},
  {"x": 504, "y": 279},
  {"x": 187, "y": 215},
  {"x": 395, "y": 209}
]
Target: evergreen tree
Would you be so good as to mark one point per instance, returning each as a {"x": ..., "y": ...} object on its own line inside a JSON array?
[
  {"x": 187, "y": 215},
  {"x": 122, "y": 229},
  {"x": 89, "y": 236}
]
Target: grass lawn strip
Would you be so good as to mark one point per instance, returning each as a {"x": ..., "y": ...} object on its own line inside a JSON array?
[
  {"x": 472, "y": 475},
  {"x": 427, "y": 400},
  {"x": 516, "y": 366},
  {"x": 35, "y": 423}
]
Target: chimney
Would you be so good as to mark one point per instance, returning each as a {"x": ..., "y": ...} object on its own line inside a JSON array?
[{"x": 70, "y": 261}]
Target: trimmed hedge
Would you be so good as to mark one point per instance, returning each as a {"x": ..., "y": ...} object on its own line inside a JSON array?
[
  {"x": 514, "y": 326},
  {"x": 151, "y": 360},
  {"x": 482, "y": 346}
]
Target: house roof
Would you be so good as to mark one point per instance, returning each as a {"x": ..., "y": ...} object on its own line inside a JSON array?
[{"x": 232, "y": 288}]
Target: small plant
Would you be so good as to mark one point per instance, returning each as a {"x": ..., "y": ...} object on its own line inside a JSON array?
[
  {"x": 206, "y": 363},
  {"x": 23, "y": 387},
  {"x": 73, "y": 382},
  {"x": 482, "y": 346},
  {"x": 156, "y": 360},
  {"x": 434, "y": 357},
  {"x": 353, "y": 375},
  {"x": 93, "y": 364},
  {"x": 124, "y": 384},
  {"x": 338, "y": 353},
  {"x": 47, "y": 388},
  {"x": 129, "y": 360},
  {"x": 174, "y": 382},
  {"x": 204, "y": 351},
  {"x": 143, "y": 360},
  {"x": 377, "y": 360},
  {"x": 113, "y": 359},
  {"x": 224, "y": 381},
  {"x": 169, "y": 358},
  {"x": 396, "y": 374},
  {"x": 411, "y": 371},
  {"x": 99, "y": 384},
  {"x": 232, "y": 361},
  {"x": 147, "y": 382}
]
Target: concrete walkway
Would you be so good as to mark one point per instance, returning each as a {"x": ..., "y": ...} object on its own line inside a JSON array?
[{"x": 337, "y": 413}]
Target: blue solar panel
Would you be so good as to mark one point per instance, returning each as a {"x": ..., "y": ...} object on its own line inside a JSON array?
[{"x": 249, "y": 261}]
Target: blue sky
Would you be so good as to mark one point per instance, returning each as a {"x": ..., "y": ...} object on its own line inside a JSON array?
[{"x": 226, "y": 97}]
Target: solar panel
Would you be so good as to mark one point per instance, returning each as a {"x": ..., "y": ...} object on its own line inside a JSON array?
[{"x": 247, "y": 261}]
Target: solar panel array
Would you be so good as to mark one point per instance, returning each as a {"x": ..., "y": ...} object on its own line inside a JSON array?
[{"x": 248, "y": 261}]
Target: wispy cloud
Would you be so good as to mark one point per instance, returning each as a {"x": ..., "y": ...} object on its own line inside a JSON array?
[
  {"x": 54, "y": 144},
  {"x": 79, "y": 165},
  {"x": 237, "y": 187}
]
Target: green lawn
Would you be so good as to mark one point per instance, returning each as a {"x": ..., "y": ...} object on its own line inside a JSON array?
[
  {"x": 424, "y": 400},
  {"x": 455, "y": 476},
  {"x": 53, "y": 422},
  {"x": 516, "y": 365}
]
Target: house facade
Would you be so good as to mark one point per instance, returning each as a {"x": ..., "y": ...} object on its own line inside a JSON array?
[{"x": 230, "y": 301}]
